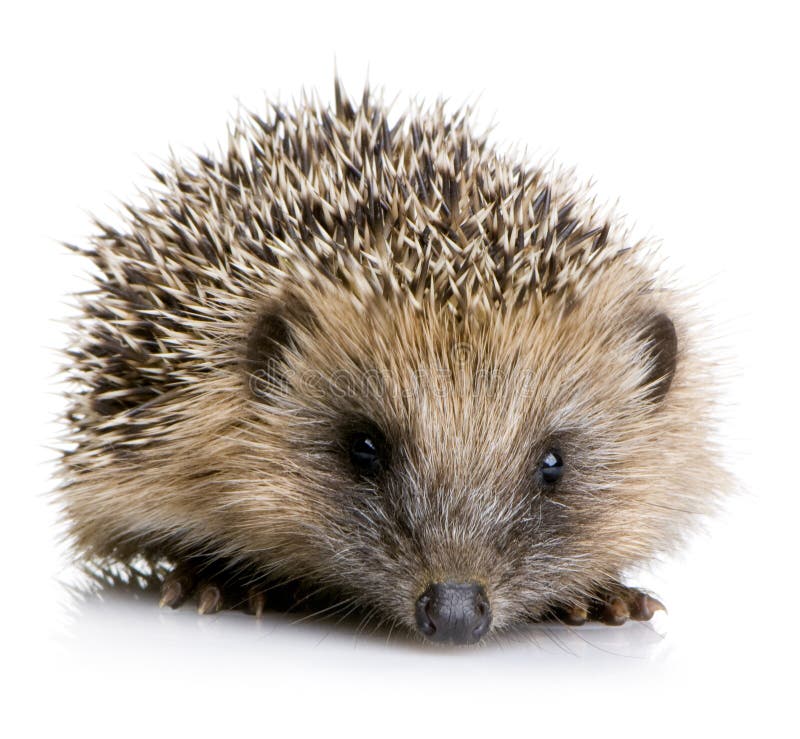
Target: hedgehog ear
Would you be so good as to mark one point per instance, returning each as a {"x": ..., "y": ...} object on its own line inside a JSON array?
[
  {"x": 269, "y": 338},
  {"x": 662, "y": 350}
]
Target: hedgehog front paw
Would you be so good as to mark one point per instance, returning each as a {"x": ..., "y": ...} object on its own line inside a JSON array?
[
  {"x": 212, "y": 593},
  {"x": 613, "y": 607},
  {"x": 182, "y": 584}
]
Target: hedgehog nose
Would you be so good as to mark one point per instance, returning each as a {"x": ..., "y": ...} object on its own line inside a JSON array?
[{"x": 454, "y": 612}]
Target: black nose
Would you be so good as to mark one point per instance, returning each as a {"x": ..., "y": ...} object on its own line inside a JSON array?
[{"x": 455, "y": 612}]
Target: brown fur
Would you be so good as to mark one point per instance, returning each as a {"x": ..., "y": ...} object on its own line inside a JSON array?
[{"x": 330, "y": 271}]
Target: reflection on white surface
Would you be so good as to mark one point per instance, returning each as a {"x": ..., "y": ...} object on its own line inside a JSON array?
[{"x": 95, "y": 620}]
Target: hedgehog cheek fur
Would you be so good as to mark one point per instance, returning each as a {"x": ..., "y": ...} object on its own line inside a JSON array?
[{"x": 387, "y": 362}]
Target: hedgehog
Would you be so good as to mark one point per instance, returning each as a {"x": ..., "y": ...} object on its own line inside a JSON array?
[{"x": 368, "y": 360}]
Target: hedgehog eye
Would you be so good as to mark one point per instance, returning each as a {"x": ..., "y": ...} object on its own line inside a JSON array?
[
  {"x": 551, "y": 467},
  {"x": 366, "y": 453}
]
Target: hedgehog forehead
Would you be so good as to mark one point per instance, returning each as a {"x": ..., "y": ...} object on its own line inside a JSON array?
[{"x": 434, "y": 378}]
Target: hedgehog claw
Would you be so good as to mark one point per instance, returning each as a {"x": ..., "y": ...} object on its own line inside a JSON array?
[
  {"x": 174, "y": 591},
  {"x": 256, "y": 602},
  {"x": 209, "y": 600},
  {"x": 644, "y": 606},
  {"x": 171, "y": 595}
]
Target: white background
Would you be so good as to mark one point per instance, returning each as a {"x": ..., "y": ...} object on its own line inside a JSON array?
[{"x": 686, "y": 112}]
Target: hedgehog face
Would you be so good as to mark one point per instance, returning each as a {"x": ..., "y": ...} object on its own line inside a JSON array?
[{"x": 459, "y": 475}]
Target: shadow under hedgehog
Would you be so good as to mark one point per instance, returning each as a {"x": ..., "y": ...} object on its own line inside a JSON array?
[{"x": 377, "y": 358}]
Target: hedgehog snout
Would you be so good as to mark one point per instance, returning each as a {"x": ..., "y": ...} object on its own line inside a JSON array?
[{"x": 453, "y": 612}]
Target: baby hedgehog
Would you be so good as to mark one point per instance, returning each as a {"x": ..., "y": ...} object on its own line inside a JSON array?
[{"x": 370, "y": 360}]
